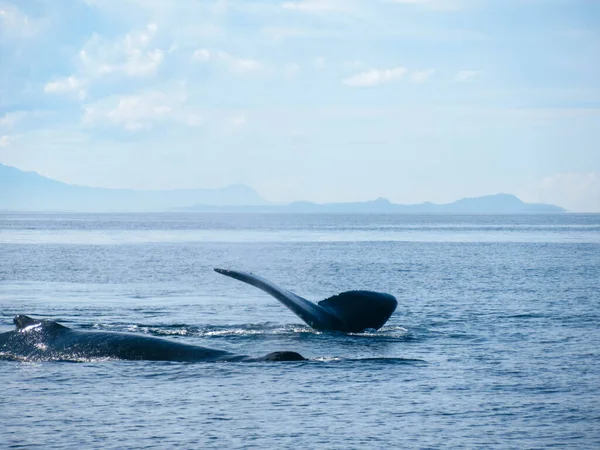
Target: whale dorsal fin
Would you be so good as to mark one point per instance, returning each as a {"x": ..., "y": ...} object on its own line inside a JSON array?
[
  {"x": 361, "y": 310},
  {"x": 23, "y": 323}
]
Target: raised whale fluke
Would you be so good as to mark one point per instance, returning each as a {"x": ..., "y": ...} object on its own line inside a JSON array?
[{"x": 350, "y": 312}]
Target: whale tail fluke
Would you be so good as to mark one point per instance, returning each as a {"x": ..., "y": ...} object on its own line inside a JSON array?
[
  {"x": 361, "y": 310},
  {"x": 312, "y": 314},
  {"x": 350, "y": 312}
]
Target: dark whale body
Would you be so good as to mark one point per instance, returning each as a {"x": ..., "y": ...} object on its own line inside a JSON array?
[
  {"x": 349, "y": 312},
  {"x": 43, "y": 340}
]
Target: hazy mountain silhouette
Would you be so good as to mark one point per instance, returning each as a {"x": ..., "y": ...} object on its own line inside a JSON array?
[
  {"x": 29, "y": 191},
  {"x": 489, "y": 204}
]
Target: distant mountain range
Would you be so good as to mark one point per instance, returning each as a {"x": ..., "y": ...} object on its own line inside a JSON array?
[
  {"x": 489, "y": 204},
  {"x": 29, "y": 191}
]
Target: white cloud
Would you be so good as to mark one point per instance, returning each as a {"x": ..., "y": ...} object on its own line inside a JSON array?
[
  {"x": 465, "y": 76},
  {"x": 238, "y": 120},
  {"x": 239, "y": 64},
  {"x": 320, "y": 62},
  {"x": 234, "y": 64},
  {"x": 72, "y": 86},
  {"x": 137, "y": 112},
  {"x": 411, "y": 2},
  {"x": 129, "y": 55},
  {"x": 9, "y": 140},
  {"x": 11, "y": 118},
  {"x": 280, "y": 33},
  {"x": 201, "y": 55},
  {"x": 13, "y": 23},
  {"x": 194, "y": 120},
  {"x": 315, "y": 6},
  {"x": 356, "y": 64},
  {"x": 290, "y": 70},
  {"x": 375, "y": 77},
  {"x": 421, "y": 76},
  {"x": 132, "y": 54},
  {"x": 441, "y": 5}
]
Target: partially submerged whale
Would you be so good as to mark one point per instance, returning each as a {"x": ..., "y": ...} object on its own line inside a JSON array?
[
  {"x": 43, "y": 340},
  {"x": 350, "y": 312}
]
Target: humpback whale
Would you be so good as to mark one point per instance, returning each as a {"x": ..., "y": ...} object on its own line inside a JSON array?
[
  {"x": 349, "y": 312},
  {"x": 44, "y": 340}
]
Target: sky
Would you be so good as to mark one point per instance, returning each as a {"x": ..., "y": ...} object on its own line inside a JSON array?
[{"x": 325, "y": 101}]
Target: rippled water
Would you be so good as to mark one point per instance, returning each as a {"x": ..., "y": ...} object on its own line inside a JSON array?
[{"x": 495, "y": 342}]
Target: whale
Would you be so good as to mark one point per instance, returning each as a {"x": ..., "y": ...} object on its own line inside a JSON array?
[
  {"x": 349, "y": 312},
  {"x": 47, "y": 340}
]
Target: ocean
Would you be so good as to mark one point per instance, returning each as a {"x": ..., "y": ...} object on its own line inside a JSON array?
[{"x": 495, "y": 342}]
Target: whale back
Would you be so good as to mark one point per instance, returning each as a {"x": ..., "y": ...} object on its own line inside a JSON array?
[
  {"x": 361, "y": 310},
  {"x": 32, "y": 339},
  {"x": 45, "y": 340}
]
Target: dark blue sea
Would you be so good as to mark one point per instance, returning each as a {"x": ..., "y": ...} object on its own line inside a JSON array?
[{"x": 495, "y": 342}]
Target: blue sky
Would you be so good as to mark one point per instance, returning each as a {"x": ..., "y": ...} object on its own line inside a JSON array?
[{"x": 332, "y": 100}]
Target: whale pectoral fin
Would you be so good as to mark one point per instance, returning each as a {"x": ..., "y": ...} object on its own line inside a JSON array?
[
  {"x": 361, "y": 310},
  {"x": 312, "y": 314}
]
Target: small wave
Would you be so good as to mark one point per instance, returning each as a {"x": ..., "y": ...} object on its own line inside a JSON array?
[
  {"x": 382, "y": 360},
  {"x": 327, "y": 359},
  {"x": 159, "y": 331},
  {"x": 154, "y": 331},
  {"x": 390, "y": 360},
  {"x": 526, "y": 316},
  {"x": 256, "y": 330},
  {"x": 71, "y": 358},
  {"x": 385, "y": 332},
  {"x": 249, "y": 330}
]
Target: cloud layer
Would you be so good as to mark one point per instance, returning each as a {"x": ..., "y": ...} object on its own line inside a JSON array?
[{"x": 328, "y": 100}]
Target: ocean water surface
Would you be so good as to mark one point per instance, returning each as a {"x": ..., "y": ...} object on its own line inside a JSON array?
[{"x": 495, "y": 342}]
